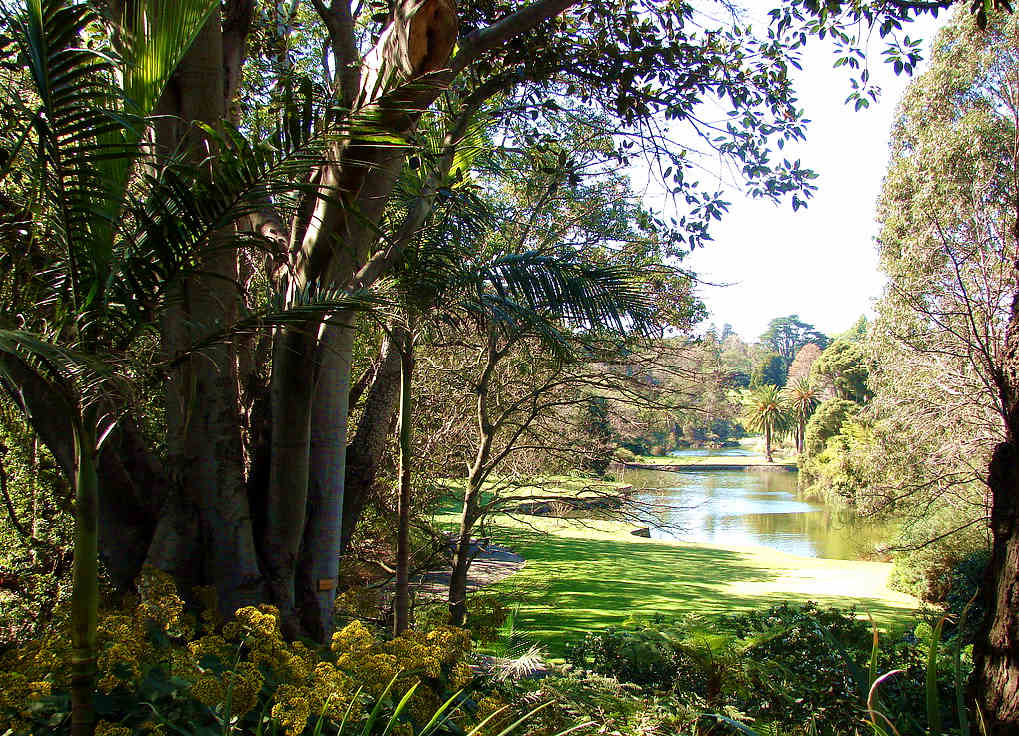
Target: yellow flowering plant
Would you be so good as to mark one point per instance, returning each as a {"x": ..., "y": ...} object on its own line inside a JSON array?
[{"x": 161, "y": 666}]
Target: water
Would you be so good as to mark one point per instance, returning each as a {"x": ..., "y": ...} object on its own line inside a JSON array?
[{"x": 760, "y": 508}]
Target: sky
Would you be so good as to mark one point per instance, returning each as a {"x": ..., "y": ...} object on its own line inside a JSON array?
[{"x": 821, "y": 262}]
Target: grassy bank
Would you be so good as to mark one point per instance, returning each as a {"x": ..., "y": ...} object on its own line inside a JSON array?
[
  {"x": 580, "y": 578},
  {"x": 782, "y": 456}
]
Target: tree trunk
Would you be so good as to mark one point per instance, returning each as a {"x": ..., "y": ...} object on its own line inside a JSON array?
[
  {"x": 402, "y": 604},
  {"x": 996, "y": 650},
  {"x": 204, "y": 533},
  {"x": 995, "y": 682},
  {"x": 318, "y": 566},
  {"x": 85, "y": 586},
  {"x": 293, "y": 383},
  {"x": 365, "y": 452},
  {"x": 462, "y": 557},
  {"x": 767, "y": 444}
]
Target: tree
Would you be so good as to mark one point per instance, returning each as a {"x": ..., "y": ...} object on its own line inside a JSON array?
[
  {"x": 765, "y": 410},
  {"x": 123, "y": 243},
  {"x": 805, "y": 357},
  {"x": 947, "y": 328},
  {"x": 786, "y": 335},
  {"x": 802, "y": 398},
  {"x": 770, "y": 370},
  {"x": 857, "y": 332},
  {"x": 843, "y": 370}
]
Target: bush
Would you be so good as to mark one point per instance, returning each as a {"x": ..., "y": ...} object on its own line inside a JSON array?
[
  {"x": 159, "y": 666},
  {"x": 623, "y": 455},
  {"x": 486, "y": 613},
  {"x": 953, "y": 566},
  {"x": 801, "y": 669}
]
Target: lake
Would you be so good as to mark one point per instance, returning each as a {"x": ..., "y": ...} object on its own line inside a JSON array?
[{"x": 760, "y": 508}]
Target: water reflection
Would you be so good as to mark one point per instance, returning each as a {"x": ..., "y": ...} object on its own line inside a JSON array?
[{"x": 737, "y": 507}]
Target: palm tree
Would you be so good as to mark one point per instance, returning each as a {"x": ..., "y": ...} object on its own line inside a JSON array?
[
  {"x": 765, "y": 410},
  {"x": 118, "y": 232},
  {"x": 802, "y": 398}
]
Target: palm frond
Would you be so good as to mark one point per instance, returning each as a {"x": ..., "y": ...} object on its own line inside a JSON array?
[{"x": 80, "y": 129}]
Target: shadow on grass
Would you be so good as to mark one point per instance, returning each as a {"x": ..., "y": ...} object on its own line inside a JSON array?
[{"x": 571, "y": 586}]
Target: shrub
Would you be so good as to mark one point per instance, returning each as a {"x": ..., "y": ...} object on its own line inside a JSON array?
[
  {"x": 486, "y": 612},
  {"x": 624, "y": 455},
  {"x": 160, "y": 665}
]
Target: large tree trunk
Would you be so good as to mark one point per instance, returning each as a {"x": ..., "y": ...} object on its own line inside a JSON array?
[
  {"x": 995, "y": 682},
  {"x": 204, "y": 533},
  {"x": 319, "y": 561}
]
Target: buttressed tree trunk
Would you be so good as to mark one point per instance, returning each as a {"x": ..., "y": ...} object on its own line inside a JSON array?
[{"x": 204, "y": 533}]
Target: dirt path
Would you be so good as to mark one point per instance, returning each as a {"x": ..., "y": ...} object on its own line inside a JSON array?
[{"x": 492, "y": 564}]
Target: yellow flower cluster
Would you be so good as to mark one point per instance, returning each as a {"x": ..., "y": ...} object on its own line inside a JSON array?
[
  {"x": 105, "y": 728},
  {"x": 160, "y": 603},
  {"x": 228, "y": 664},
  {"x": 291, "y": 708}
]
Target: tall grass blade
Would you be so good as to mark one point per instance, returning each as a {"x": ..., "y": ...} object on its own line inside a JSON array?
[
  {"x": 872, "y": 711},
  {"x": 960, "y": 698},
  {"x": 513, "y": 726},
  {"x": 399, "y": 708},
  {"x": 933, "y": 704},
  {"x": 874, "y": 650},
  {"x": 440, "y": 716},
  {"x": 373, "y": 716}
]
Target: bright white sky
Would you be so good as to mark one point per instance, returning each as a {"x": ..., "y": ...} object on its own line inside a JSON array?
[{"x": 819, "y": 263}]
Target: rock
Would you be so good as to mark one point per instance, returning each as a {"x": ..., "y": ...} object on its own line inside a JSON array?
[{"x": 642, "y": 532}]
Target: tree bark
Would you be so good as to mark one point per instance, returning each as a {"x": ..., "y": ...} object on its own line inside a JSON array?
[
  {"x": 365, "y": 451},
  {"x": 462, "y": 557},
  {"x": 85, "y": 586},
  {"x": 318, "y": 566},
  {"x": 996, "y": 651},
  {"x": 204, "y": 533}
]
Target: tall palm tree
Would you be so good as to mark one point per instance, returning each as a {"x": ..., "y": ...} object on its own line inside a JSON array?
[
  {"x": 765, "y": 410},
  {"x": 802, "y": 398}
]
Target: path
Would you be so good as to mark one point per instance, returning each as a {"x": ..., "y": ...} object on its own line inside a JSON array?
[{"x": 492, "y": 564}]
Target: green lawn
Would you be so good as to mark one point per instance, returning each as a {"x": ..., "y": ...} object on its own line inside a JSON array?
[
  {"x": 582, "y": 578},
  {"x": 715, "y": 460},
  {"x": 781, "y": 455}
]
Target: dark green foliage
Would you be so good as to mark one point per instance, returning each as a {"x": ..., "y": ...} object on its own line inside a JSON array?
[
  {"x": 802, "y": 669},
  {"x": 786, "y": 335},
  {"x": 843, "y": 369},
  {"x": 826, "y": 422},
  {"x": 770, "y": 370},
  {"x": 643, "y": 657}
]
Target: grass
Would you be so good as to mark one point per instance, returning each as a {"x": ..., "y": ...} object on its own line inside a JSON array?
[
  {"x": 581, "y": 578},
  {"x": 736, "y": 461},
  {"x": 782, "y": 456}
]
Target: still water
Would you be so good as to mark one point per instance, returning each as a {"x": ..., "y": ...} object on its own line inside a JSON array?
[{"x": 760, "y": 508}]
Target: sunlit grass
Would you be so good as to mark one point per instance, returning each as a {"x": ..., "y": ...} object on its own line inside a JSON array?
[{"x": 581, "y": 578}]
